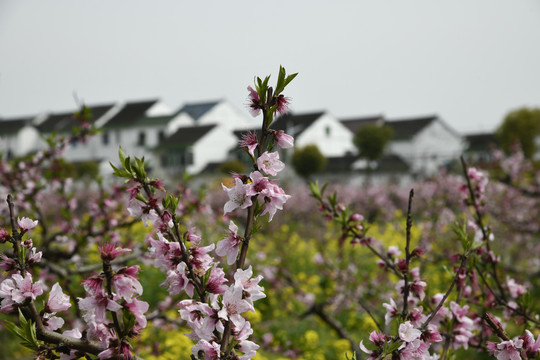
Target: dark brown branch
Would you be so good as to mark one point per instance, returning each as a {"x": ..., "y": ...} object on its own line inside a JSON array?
[{"x": 406, "y": 285}]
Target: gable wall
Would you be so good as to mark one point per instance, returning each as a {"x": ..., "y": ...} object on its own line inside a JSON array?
[
  {"x": 212, "y": 147},
  {"x": 180, "y": 120},
  {"x": 431, "y": 148},
  {"x": 20, "y": 143},
  {"x": 226, "y": 114},
  {"x": 338, "y": 142}
]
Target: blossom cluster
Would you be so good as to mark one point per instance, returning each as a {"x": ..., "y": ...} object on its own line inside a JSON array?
[{"x": 215, "y": 303}]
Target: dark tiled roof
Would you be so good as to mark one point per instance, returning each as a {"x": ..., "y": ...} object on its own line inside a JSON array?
[
  {"x": 64, "y": 122},
  {"x": 57, "y": 122},
  {"x": 295, "y": 124},
  {"x": 481, "y": 142},
  {"x": 154, "y": 120},
  {"x": 197, "y": 110},
  {"x": 129, "y": 114},
  {"x": 408, "y": 128},
  {"x": 355, "y": 124},
  {"x": 12, "y": 126},
  {"x": 185, "y": 136}
]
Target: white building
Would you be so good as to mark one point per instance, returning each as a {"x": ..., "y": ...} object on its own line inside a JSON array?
[
  {"x": 320, "y": 128},
  {"x": 192, "y": 149},
  {"x": 426, "y": 143},
  {"x": 17, "y": 137},
  {"x": 208, "y": 113}
]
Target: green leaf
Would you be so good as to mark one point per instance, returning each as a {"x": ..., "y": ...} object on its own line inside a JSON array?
[
  {"x": 12, "y": 328},
  {"x": 394, "y": 346},
  {"x": 289, "y": 79},
  {"x": 281, "y": 81},
  {"x": 121, "y": 155},
  {"x": 314, "y": 188}
]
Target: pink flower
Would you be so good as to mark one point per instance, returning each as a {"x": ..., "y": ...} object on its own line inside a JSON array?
[
  {"x": 200, "y": 260},
  {"x": 251, "y": 290},
  {"x": 414, "y": 350},
  {"x": 58, "y": 301},
  {"x": 126, "y": 284},
  {"x": 270, "y": 163},
  {"x": 249, "y": 142},
  {"x": 391, "y": 311},
  {"x": 515, "y": 289},
  {"x": 506, "y": 350},
  {"x": 238, "y": 197},
  {"x": 201, "y": 318},
  {"x": 96, "y": 307},
  {"x": 234, "y": 305},
  {"x": 217, "y": 281},
  {"x": 529, "y": 345},
  {"x": 377, "y": 338},
  {"x": 393, "y": 251},
  {"x": 34, "y": 256},
  {"x": 138, "y": 308},
  {"x": 254, "y": 102},
  {"x": 210, "y": 351},
  {"x": 282, "y": 104},
  {"x": 274, "y": 197},
  {"x": 283, "y": 140},
  {"x": 407, "y": 332},
  {"x": 22, "y": 288},
  {"x": 177, "y": 281},
  {"x": 52, "y": 322},
  {"x": 229, "y": 246},
  {"x": 110, "y": 251},
  {"x": 248, "y": 348},
  {"x": 26, "y": 224},
  {"x": 4, "y": 236}
]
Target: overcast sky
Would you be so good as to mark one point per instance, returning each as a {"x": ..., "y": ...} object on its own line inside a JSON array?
[{"x": 470, "y": 62}]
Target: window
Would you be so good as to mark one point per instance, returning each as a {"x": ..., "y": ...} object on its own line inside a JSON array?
[
  {"x": 141, "y": 141},
  {"x": 105, "y": 138},
  {"x": 188, "y": 157},
  {"x": 327, "y": 130},
  {"x": 161, "y": 136}
]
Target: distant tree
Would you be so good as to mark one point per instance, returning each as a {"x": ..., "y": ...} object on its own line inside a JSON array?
[
  {"x": 308, "y": 160},
  {"x": 371, "y": 140},
  {"x": 520, "y": 127}
]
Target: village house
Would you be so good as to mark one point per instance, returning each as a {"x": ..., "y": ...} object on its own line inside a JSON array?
[
  {"x": 201, "y": 135},
  {"x": 320, "y": 128},
  {"x": 425, "y": 143},
  {"x": 17, "y": 137}
]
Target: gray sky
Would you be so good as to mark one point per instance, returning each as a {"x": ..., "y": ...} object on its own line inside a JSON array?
[{"x": 468, "y": 61}]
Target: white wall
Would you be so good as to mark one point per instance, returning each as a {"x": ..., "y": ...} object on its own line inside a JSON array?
[
  {"x": 430, "y": 149},
  {"x": 214, "y": 146},
  {"x": 337, "y": 142},
  {"x": 180, "y": 120},
  {"x": 21, "y": 143},
  {"x": 226, "y": 114}
]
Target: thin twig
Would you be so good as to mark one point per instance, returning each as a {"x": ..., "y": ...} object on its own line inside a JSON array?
[
  {"x": 480, "y": 223},
  {"x": 406, "y": 285},
  {"x": 464, "y": 260}
]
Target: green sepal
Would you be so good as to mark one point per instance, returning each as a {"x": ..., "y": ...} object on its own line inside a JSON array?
[{"x": 129, "y": 320}]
